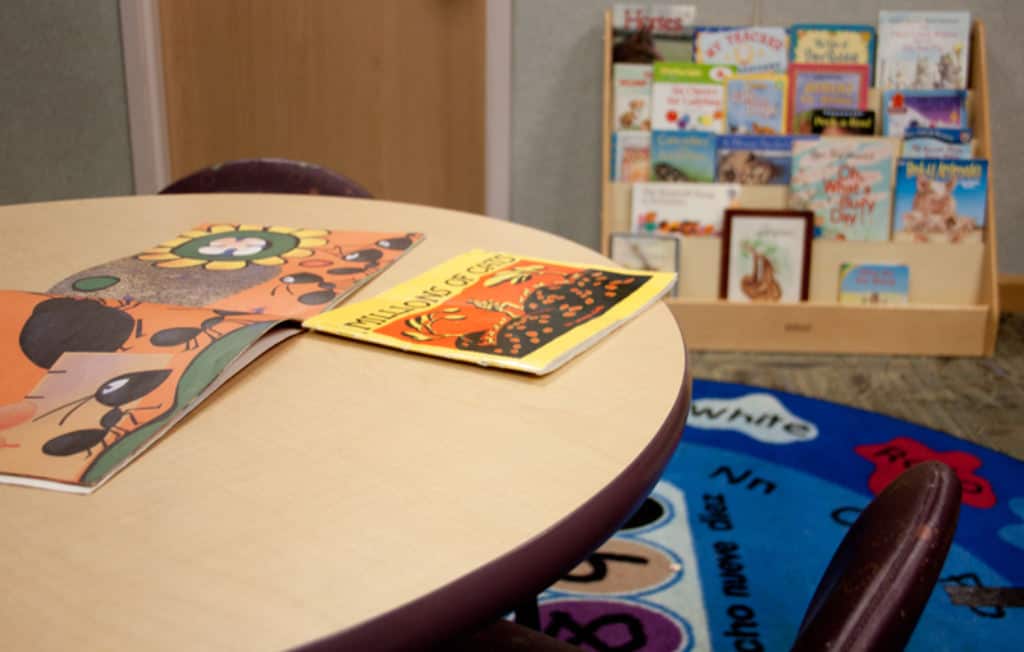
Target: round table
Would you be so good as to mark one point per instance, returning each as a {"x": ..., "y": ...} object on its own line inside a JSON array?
[{"x": 334, "y": 493}]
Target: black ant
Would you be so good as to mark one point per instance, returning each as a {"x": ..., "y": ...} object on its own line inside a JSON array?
[
  {"x": 63, "y": 324},
  {"x": 189, "y": 335},
  {"x": 324, "y": 294},
  {"x": 369, "y": 257},
  {"x": 114, "y": 393}
]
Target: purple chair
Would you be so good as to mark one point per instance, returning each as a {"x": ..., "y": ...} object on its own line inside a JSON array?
[
  {"x": 275, "y": 175},
  {"x": 881, "y": 576}
]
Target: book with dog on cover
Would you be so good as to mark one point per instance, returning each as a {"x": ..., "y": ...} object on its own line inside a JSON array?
[{"x": 500, "y": 310}]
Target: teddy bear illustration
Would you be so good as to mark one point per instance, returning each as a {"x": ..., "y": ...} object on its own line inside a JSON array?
[{"x": 933, "y": 212}]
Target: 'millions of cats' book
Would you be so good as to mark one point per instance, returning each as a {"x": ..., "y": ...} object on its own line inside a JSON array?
[
  {"x": 940, "y": 200},
  {"x": 847, "y": 182},
  {"x": 500, "y": 310}
]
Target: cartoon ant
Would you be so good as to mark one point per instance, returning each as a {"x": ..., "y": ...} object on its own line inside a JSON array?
[
  {"x": 64, "y": 324},
  {"x": 189, "y": 335},
  {"x": 114, "y": 393},
  {"x": 324, "y": 294},
  {"x": 370, "y": 258}
]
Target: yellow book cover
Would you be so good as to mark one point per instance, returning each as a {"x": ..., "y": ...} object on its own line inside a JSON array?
[{"x": 500, "y": 310}]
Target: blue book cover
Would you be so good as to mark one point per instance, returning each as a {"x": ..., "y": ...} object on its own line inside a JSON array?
[
  {"x": 756, "y": 104},
  {"x": 943, "y": 109},
  {"x": 755, "y": 160},
  {"x": 927, "y": 142},
  {"x": 682, "y": 156},
  {"x": 847, "y": 183},
  {"x": 832, "y": 44},
  {"x": 940, "y": 200},
  {"x": 873, "y": 284}
]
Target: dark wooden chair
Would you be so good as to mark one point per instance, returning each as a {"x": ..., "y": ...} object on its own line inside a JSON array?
[
  {"x": 273, "y": 175},
  {"x": 873, "y": 591},
  {"x": 879, "y": 580}
]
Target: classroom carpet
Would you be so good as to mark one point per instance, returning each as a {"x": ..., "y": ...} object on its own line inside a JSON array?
[{"x": 729, "y": 547}]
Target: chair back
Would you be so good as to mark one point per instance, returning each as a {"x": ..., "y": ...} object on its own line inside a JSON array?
[
  {"x": 881, "y": 576},
  {"x": 272, "y": 175}
]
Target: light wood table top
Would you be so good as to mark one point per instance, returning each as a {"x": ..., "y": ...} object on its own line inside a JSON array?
[{"x": 333, "y": 492}]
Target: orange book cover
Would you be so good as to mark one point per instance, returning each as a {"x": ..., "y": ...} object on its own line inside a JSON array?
[{"x": 500, "y": 310}]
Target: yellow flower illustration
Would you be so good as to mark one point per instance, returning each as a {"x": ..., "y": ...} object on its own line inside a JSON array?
[{"x": 233, "y": 246}]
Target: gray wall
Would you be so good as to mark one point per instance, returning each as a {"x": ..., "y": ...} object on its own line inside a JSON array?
[
  {"x": 63, "y": 112},
  {"x": 556, "y": 102}
]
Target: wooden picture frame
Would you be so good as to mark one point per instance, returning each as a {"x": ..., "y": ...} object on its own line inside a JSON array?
[
  {"x": 781, "y": 255},
  {"x": 654, "y": 252}
]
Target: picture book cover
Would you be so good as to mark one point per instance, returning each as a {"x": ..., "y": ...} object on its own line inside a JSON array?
[
  {"x": 940, "y": 200},
  {"x": 689, "y": 96},
  {"x": 661, "y": 32},
  {"x": 755, "y": 160},
  {"x": 631, "y": 90},
  {"x": 500, "y": 310},
  {"x": 925, "y": 142},
  {"x": 749, "y": 49},
  {"x": 923, "y": 49},
  {"x": 682, "y": 156},
  {"x": 109, "y": 359},
  {"x": 839, "y": 122},
  {"x": 873, "y": 284},
  {"x": 847, "y": 183},
  {"x": 631, "y": 156},
  {"x": 766, "y": 256},
  {"x": 279, "y": 270},
  {"x": 90, "y": 383},
  {"x": 682, "y": 208},
  {"x": 832, "y": 44},
  {"x": 757, "y": 104},
  {"x": 825, "y": 86},
  {"x": 943, "y": 109}
]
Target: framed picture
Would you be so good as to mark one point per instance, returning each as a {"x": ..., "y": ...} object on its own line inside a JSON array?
[
  {"x": 766, "y": 255},
  {"x": 647, "y": 251}
]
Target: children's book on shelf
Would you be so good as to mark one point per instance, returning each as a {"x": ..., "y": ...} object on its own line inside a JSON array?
[
  {"x": 755, "y": 160},
  {"x": 645, "y": 33},
  {"x": 682, "y": 156},
  {"x": 943, "y": 109},
  {"x": 840, "y": 122},
  {"x": 749, "y": 49},
  {"x": 681, "y": 208},
  {"x": 757, "y": 104},
  {"x": 631, "y": 156},
  {"x": 923, "y": 49},
  {"x": 631, "y": 84},
  {"x": 847, "y": 183},
  {"x": 832, "y": 44},
  {"x": 825, "y": 86},
  {"x": 102, "y": 365},
  {"x": 940, "y": 200},
  {"x": 863, "y": 284},
  {"x": 500, "y": 310},
  {"x": 926, "y": 142},
  {"x": 689, "y": 96}
]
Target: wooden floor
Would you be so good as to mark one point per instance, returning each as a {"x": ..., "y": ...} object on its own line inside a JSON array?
[{"x": 980, "y": 399}]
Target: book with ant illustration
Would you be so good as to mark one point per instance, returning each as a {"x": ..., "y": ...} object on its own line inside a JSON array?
[
  {"x": 500, "y": 310},
  {"x": 109, "y": 359}
]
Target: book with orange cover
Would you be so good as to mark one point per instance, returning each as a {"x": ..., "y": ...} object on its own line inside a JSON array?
[
  {"x": 500, "y": 310},
  {"x": 99, "y": 368}
]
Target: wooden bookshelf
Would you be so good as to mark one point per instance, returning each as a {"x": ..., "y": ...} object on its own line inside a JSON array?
[{"x": 954, "y": 288}]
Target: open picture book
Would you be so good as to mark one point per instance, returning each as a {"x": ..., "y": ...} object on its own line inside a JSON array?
[{"x": 109, "y": 359}]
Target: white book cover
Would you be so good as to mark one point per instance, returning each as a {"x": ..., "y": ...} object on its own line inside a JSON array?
[
  {"x": 631, "y": 89},
  {"x": 682, "y": 208},
  {"x": 631, "y": 156},
  {"x": 750, "y": 49},
  {"x": 923, "y": 49}
]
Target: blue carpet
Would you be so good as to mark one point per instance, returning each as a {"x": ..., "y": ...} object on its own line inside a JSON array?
[{"x": 727, "y": 551}]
